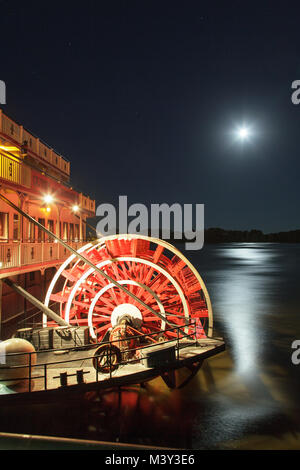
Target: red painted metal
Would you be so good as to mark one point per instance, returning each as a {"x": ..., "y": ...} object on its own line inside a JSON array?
[{"x": 145, "y": 267}]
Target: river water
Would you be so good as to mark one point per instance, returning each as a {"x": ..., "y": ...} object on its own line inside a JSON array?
[
  {"x": 244, "y": 398},
  {"x": 248, "y": 396},
  {"x": 252, "y": 399}
]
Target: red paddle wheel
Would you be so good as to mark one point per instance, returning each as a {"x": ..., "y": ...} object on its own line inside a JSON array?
[{"x": 151, "y": 269}]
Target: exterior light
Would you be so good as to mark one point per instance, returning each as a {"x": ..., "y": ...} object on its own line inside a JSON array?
[
  {"x": 75, "y": 208},
  {"x": 48, "y": 209},
  {"x": 9, "y": 148},
  {"x": 48, "y": 198}
]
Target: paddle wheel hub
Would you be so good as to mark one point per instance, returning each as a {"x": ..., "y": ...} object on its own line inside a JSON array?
[
  {"x": 170, "y": 289},
  {"x": 129, "y": 310}
]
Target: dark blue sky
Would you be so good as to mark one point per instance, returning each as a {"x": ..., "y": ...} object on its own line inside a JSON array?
[{"x": 141, "y": 96}]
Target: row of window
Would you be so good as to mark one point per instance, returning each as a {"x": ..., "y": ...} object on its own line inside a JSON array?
[{"x": 67, "y": 231}]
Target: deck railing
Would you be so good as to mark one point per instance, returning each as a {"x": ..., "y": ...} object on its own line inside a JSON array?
[
  {"x": 15, "y": 131},
  {"x": 179, "y": 335},
  {"x": 19, "y": 170},
  {"x": 14, "y": 171},
  {"x": 19, "y": 254}
]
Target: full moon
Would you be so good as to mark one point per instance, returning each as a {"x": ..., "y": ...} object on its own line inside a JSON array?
[{"x": 243, "y": 133}]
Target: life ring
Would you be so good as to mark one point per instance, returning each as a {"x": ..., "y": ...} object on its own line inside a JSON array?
[{"x": 106, "y": 358}]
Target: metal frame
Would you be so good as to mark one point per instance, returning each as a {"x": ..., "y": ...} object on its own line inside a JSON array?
[
  {"x": 99, "y": 244},
  {"x": 181, "y": 335}
]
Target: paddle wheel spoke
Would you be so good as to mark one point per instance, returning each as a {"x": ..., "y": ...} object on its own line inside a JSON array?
[{"x": 150, "y": 269}]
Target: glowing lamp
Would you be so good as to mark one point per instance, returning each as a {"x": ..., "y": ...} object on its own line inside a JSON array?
[{"x": 48, "y": 199}]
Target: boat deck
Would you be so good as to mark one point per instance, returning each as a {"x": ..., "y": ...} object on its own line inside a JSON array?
[{"x": 77, "y": 364}]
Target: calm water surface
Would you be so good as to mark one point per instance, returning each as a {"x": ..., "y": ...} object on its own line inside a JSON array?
[
  {"x": 246, "y": 397},
  {"x": 255, "y": 290}
]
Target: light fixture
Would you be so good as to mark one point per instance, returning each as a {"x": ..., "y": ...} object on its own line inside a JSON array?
[
  {"x": 48, "y": 198},
  {"x": 75, "y": 208},
  {"x": 9, "y": 148}
]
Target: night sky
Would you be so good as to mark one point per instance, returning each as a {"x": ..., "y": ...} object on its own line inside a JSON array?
[{"x": 143, "y": 96}]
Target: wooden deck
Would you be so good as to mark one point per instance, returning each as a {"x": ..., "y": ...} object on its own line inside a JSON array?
[{"x": 46, "y": 384}]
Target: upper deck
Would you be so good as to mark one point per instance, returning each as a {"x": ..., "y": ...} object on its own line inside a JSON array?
[
  {"x": 26, "y": 146},
  {"x": 28, "y": 163},
  {"x": 30, "y": 171}
]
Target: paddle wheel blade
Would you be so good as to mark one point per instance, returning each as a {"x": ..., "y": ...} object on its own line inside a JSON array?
[{"x": 172, "y": 291}]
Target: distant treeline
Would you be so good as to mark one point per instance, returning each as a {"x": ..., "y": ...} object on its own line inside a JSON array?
[{"x": 219, "y": 235}]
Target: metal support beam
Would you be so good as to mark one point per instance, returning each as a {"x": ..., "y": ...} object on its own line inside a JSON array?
[
  {"x": 85, "y": 260},
  {"x": 34, "y": 301}
]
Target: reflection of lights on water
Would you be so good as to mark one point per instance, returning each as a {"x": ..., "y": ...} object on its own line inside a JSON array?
[
  {"x": 242, "y": 300},
  {"x": 241, "y": 325},
  {"x": 249, "y": 255},
  {"x": 232, "y": 420},
  {"x": 141, "y": 415}
]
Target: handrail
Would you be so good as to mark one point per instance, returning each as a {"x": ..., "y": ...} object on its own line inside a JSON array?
[
  {"x": 85, "y": 259},
  {"x": 94, "y": 345},
  {"x": 34, "y": 136},
  {"x": 45, "y": 365}
]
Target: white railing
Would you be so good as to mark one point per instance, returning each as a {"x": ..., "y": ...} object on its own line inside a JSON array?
[
  {"x": 14, "y": 131},
  {"x": 9, "y": 255},
  {"x": 15, "y": 254}
]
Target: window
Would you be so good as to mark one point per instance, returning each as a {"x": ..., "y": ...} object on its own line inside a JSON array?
[
  {"x": 3, "y": 226},
  {"x": 16, "y": 227}
]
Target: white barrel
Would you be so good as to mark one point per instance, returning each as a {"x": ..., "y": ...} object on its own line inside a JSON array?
[{"x": 8, "y": 374}]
